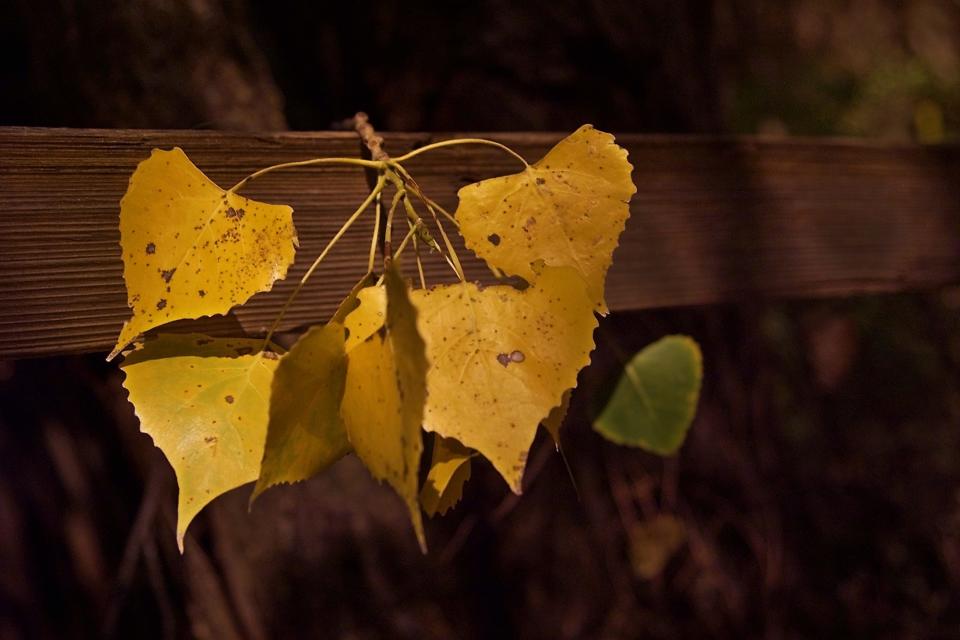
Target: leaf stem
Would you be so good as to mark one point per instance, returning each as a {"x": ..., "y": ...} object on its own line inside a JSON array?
[
  {"x": 457, "y": 142},
  {"x": 388, "y": 235},
  {"x": 323, "y": 254},
  {"x": 416, "y": 251},
  {"x": 368, "y": 164},
  {"x": 406, "y": 240},
  {"x": 450, "y": 255},
  {"x": 409, "y": 181}
]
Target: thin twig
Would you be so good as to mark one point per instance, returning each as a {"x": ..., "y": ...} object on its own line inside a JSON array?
[{"x": 373, "y": 142}]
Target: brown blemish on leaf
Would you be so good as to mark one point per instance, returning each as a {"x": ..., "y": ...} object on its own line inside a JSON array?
[
  {"x": 203, "y": 341},
  {"x": 493, "y": 239},
  {"x": 540, "y": 180},
  {"x": 168, "y": 274},
  {"x": 161, "y": 304},
  {"x": 517, "y": 356},
  {"x": 503, "y": 358},
  {"x": 151, "y": 248},
  {"x": 210, "y": 439},
  {"x": 229, "y": 399},
  {"x": 202, "y": 293}
]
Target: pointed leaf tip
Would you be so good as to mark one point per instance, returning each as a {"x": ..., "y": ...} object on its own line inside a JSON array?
[
  {"x": 501, "y": 359},
  {"x": 305, "y": 434},
  {"x": 385, "y": 390},
  {"x": 204, "y": 401}
]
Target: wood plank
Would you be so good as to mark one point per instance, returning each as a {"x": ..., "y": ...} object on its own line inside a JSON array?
[{"x": 715, "y": 220}]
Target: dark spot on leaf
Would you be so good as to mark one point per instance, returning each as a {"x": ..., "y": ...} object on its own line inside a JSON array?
[
  {"x": 161, "y": 304},
  {"x": 503, "y": 359},
  {"x": 494, "y": 239},
  {"x": 540, "y": 180},
  {"x": 229, "y": 399},
  {"x": 167, "y": 275},
  {"x": 151, "y": 248},
  {"x": 202, "y": 293},
  {"x": 203, "y": 341},
  {"x": 210, "y": 439}
]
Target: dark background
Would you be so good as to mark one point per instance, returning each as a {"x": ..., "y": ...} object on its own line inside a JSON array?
[{"x": 818, "y": 494}]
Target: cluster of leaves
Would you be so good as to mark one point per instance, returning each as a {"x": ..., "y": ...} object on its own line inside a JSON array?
[{"x": 478, "y": 367}]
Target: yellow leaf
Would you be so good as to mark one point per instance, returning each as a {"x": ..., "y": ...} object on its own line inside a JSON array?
[
  {"x": 204, "y": 401},
  {"x": 568, "y": 209},
  {"x": 367, "y": 318},
  {"x": 500, "y": 360},
  {"x": 653, "y": 543},
  {"x": 191, "y": 249},
  {"x": 386, "y": 388},
  {"x": 305, "y": 433},
  {"x": 449, "y": 471}
]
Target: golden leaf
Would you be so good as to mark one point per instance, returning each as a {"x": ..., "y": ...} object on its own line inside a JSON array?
[
  {"x": 191, "y": 249},
  {"x": 568, "y": 209},
  {"x": 204, "y": 401},
  {"x": 501, "y": 359},
  {"x": 386, "y": 388},
  {"x": 449, "y": 471},
  {"x": 305, "y": 433}
]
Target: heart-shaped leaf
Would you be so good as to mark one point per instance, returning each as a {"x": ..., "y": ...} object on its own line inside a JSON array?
[
  {"x": 501, "y": 359},
  {"x": 567, "y": 210},
  {"x": 191, "y": 249},
  {"x": 205, "y": 403}
]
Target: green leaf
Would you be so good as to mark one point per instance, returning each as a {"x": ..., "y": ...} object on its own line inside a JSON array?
[
  {"x": 306, "y": 434},
  {"x": 655, "y": 400},
  {"x": 205, "y": 403}
]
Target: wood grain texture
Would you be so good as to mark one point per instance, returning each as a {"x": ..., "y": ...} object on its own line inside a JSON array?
[{"x": 714, "y": 221}]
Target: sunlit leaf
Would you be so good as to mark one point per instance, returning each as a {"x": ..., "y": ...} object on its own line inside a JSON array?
[
  {"x": 653, "y": 404},
  {"x": 500, "y": 360},
  {"x": 449, "y": 471},
  {"x": 305, "y": 433},
  {"x": 368, "y": 316},
  {"x": 386, "y": 388},
  {"x": 191, "y": 249},
  {"x": 205, "y": 403},
  {"x": 568, "y": 209}
]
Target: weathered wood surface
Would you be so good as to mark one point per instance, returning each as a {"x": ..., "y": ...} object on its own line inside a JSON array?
[{"x": 714, "y": 221}]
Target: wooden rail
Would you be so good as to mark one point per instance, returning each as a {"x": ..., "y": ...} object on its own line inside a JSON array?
[{"x": 714, "y": 221}]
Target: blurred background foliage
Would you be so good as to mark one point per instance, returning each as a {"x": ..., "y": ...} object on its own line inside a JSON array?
[{"x": 818, "y": 494}]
